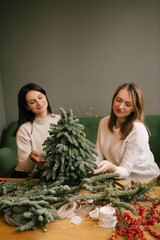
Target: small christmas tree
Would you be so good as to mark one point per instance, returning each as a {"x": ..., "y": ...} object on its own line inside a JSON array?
[{"x": 70, "y": 155}]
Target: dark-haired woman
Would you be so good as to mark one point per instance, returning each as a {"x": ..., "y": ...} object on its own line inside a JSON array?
[
  {"x": 123, "y": 141},
  {"x": 35, "y": 117}
]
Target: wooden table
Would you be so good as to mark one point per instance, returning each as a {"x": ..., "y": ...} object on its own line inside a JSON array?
[{"x": 88, "y": 229}]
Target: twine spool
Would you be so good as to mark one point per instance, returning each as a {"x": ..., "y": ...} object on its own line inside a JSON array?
[{"x": 67, "y": 209}]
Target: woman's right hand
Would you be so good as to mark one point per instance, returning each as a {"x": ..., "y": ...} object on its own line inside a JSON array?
[
  {"x": 36, "y": 157},
  {"x": 105, "y": 166}
]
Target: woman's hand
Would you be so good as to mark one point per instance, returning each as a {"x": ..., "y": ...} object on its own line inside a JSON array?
[
  {"x": 105, "y": 166},
  {"x": 36, "y": 157}
]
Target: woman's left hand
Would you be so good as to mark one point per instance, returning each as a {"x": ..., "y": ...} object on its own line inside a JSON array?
[
  {"x": 36, "y": 157},
  {"x": 105, "y": 166}
]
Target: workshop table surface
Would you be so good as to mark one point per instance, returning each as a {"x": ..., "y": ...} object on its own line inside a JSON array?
[{"x": 88, "y": 229}]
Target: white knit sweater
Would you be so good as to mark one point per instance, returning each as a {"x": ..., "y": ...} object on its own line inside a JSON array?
[
  {"x": 132, "y": 156},
  {"x": 30, "y": 136}
]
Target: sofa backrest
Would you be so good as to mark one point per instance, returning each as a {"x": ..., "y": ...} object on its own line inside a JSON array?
[
  {"x": 153, "y": 123},
  {"x": 90, "y": 128},
  {"x": 8, "y": 151},
  {"x": 9, "y": 140}
]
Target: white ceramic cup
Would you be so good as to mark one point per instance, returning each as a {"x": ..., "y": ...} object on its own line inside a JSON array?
[{"x": 107, "y": 219}]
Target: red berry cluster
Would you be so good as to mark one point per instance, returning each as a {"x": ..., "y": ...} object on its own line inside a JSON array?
[
  {"x": 2, "y": 180},
  {"x": 131, "y": 226}
]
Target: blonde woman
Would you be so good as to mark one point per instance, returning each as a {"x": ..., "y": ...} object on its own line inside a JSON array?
[{"x": 123, "y": 140}]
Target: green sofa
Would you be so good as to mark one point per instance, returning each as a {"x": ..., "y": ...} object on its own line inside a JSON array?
[{"x": 8, "y": 151}]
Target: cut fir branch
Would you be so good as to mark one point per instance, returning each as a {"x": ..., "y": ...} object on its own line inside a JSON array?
[
  {"x": 70, "y": 155},
  {"x": 109, "y": 194},
  {"x": 37, "y": 204},
  {"x": 27, "y": 214},
  {"x": 12, "y": 186},
  {"x": 34, "y": 206}
]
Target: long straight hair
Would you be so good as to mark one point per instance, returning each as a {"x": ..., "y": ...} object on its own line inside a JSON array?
[
  {"x": 136, "y": 115},
  {"x": 24, "y": 114}
]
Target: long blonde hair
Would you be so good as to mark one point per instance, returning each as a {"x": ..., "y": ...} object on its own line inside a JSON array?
[{"x": 136, "y": 115}]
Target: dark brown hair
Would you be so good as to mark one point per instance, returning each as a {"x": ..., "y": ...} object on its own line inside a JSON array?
[{"x": 24, "y": 114}]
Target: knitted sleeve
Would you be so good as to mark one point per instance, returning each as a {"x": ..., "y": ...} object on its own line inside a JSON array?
[
  {"x": 136, "y": 145},
  {"x": 24, "y": 146}
]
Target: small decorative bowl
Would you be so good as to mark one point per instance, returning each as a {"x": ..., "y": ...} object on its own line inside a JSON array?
[{"x": 94, "y": 214}]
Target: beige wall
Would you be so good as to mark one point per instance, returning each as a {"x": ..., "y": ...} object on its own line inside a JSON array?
[{"x": 80, "y": 51}]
